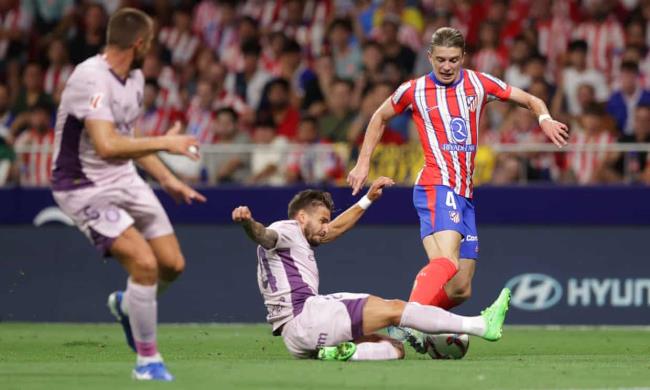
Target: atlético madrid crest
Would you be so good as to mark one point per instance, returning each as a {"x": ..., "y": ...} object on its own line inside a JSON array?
[{"x": 472, "y": 102}]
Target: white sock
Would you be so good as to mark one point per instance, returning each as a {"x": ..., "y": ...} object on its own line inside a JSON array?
[
  {"x": 431, "y": 319},
  {"x": 382, "y": 350},
  {"x": 143, "y": 316}
]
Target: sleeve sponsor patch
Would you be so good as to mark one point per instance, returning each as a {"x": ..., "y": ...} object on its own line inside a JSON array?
[
  {"x": 96, "y": 101},
  {"x": 397, "y": 95}
]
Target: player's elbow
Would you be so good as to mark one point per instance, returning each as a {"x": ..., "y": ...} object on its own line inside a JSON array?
[{"x": 105, "y": 150}]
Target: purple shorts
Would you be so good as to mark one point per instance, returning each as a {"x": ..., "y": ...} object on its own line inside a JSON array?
[
  {"x": 325, "y": 320},
  {"x": 102, "y": 213}
]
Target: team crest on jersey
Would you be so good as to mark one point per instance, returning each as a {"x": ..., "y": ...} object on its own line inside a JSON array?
[
  {"x": 454, "y": 216},
  {"x": 458, "y": 130},
  {"x": 472, "y": 102}
]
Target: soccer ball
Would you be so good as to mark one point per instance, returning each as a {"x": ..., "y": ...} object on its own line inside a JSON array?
[{"x": 447, "y": 345}]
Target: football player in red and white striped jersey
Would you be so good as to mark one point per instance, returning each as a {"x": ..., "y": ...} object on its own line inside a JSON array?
[{"x": 446, "y": 106}]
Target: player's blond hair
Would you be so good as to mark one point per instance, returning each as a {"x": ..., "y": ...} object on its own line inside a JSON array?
[
  {"x": 126, "y": 26},
  {"x": 447, "y": 37}
]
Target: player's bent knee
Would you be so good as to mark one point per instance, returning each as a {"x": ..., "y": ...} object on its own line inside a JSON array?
[
  {"x": 174, "y": 269},
  {"x": 144, "y": 270}
]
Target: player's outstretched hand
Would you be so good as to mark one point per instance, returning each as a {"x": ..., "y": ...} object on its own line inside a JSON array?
[
  {"x": 179, "y": 143},
  {"x": 556, "y": 131},
  {"x": 181, "y": 192},
  {"x": 357, "y": 177},
  {"x": 377, "y": 187},
  {"x": 241, "y": 214}
]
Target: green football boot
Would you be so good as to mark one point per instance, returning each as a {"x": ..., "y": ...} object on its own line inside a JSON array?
[
  {"x": 495, "y": 315},
  {"x": 341, "y": 352}
]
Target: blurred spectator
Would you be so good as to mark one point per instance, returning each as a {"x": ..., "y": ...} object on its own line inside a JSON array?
[
  {"x": 346, "y": 53},
  {"x": 179, "y": 42},
  {"x": 372, "y": 60},
  {"x": 515, "y": 74},
  {"x": 7, "y": 155},
  {"x": 603, "y": 34},
  {"x": 622, "y": 103},
  {"x": 408, "y": 18},
  {"x": 169, "y": 94},
  {"x": 554, "y": 31},
  {"x": 334, "y": 124},
  {"x": 36, "y": 145},
  {"x": 313, "y": 161},
  {"x": 370, "y": 102},
  {"x": 217, "y": 73},
  {"x": 50, "y": 18},
  {"x": 267, "y": 160},
  {"x": 393, "y": 49},
  {"x": 489, "y": 58},
  {"x": 249, "y": 83},
  {"x": 230, "y": 167},
  {"x": 59, "y": 68},
  {"x": 586, "y": 167},
  {"x": 292, "y": 68},
  {"x": 90, "y": 39},
  {"x": 277, "y": 107},
  {"x": 315, "y": 89},
  {"x": 154, "y": 120},
  {"x": 31, "y": 95},
  {"x": 577, "y": 73},
  {"x": 200, "y": 117},
  {"x": 214, "y": 23},
  {"x": 247, "y": 31},
  {"x": 631, "y": 166},
  {"x": 520, "y": 127},
  {"x": 14, "y": 25},
  {"x": 304, "y": 21}
]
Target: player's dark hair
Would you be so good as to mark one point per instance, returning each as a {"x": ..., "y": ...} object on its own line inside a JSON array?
[
  {"x": 447, "y": 37},
  {"x": 308, "y": 199},
  {"x": 126, "y": 26}
]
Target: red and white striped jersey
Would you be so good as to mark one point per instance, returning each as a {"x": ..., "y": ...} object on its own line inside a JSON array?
[
  {"x": 553, "y": 39},
  {"x": 153, "y": 122},
  {"x": 489, "y": 61},
  {"x": 36, "y": 164},
  {"x": 605, "y": 41},
  {"x": 55, "y": 77},
  {"x": 200, "y": 122},
  {"x": 447, "y": 118},
  {"x": 182, "y": 45},
  {"x": 584, "y": 164}
]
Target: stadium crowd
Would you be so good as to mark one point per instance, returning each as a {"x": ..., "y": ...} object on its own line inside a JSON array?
[{"x": 299, "y": 80}]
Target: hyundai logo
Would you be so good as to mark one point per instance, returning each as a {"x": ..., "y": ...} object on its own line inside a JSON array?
[{"x": 534, "y": 291}]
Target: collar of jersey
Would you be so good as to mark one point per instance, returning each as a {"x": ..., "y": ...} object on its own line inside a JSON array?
[{"x": 437, "y": 82}]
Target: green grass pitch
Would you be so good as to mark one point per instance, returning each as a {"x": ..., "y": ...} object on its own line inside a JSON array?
[{"x": 76, "y": 356}]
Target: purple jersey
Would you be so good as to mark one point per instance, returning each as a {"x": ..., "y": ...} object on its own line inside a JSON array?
[
  {"x": 287, "y": 274},
  {"x": 93, "y": 91}
]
